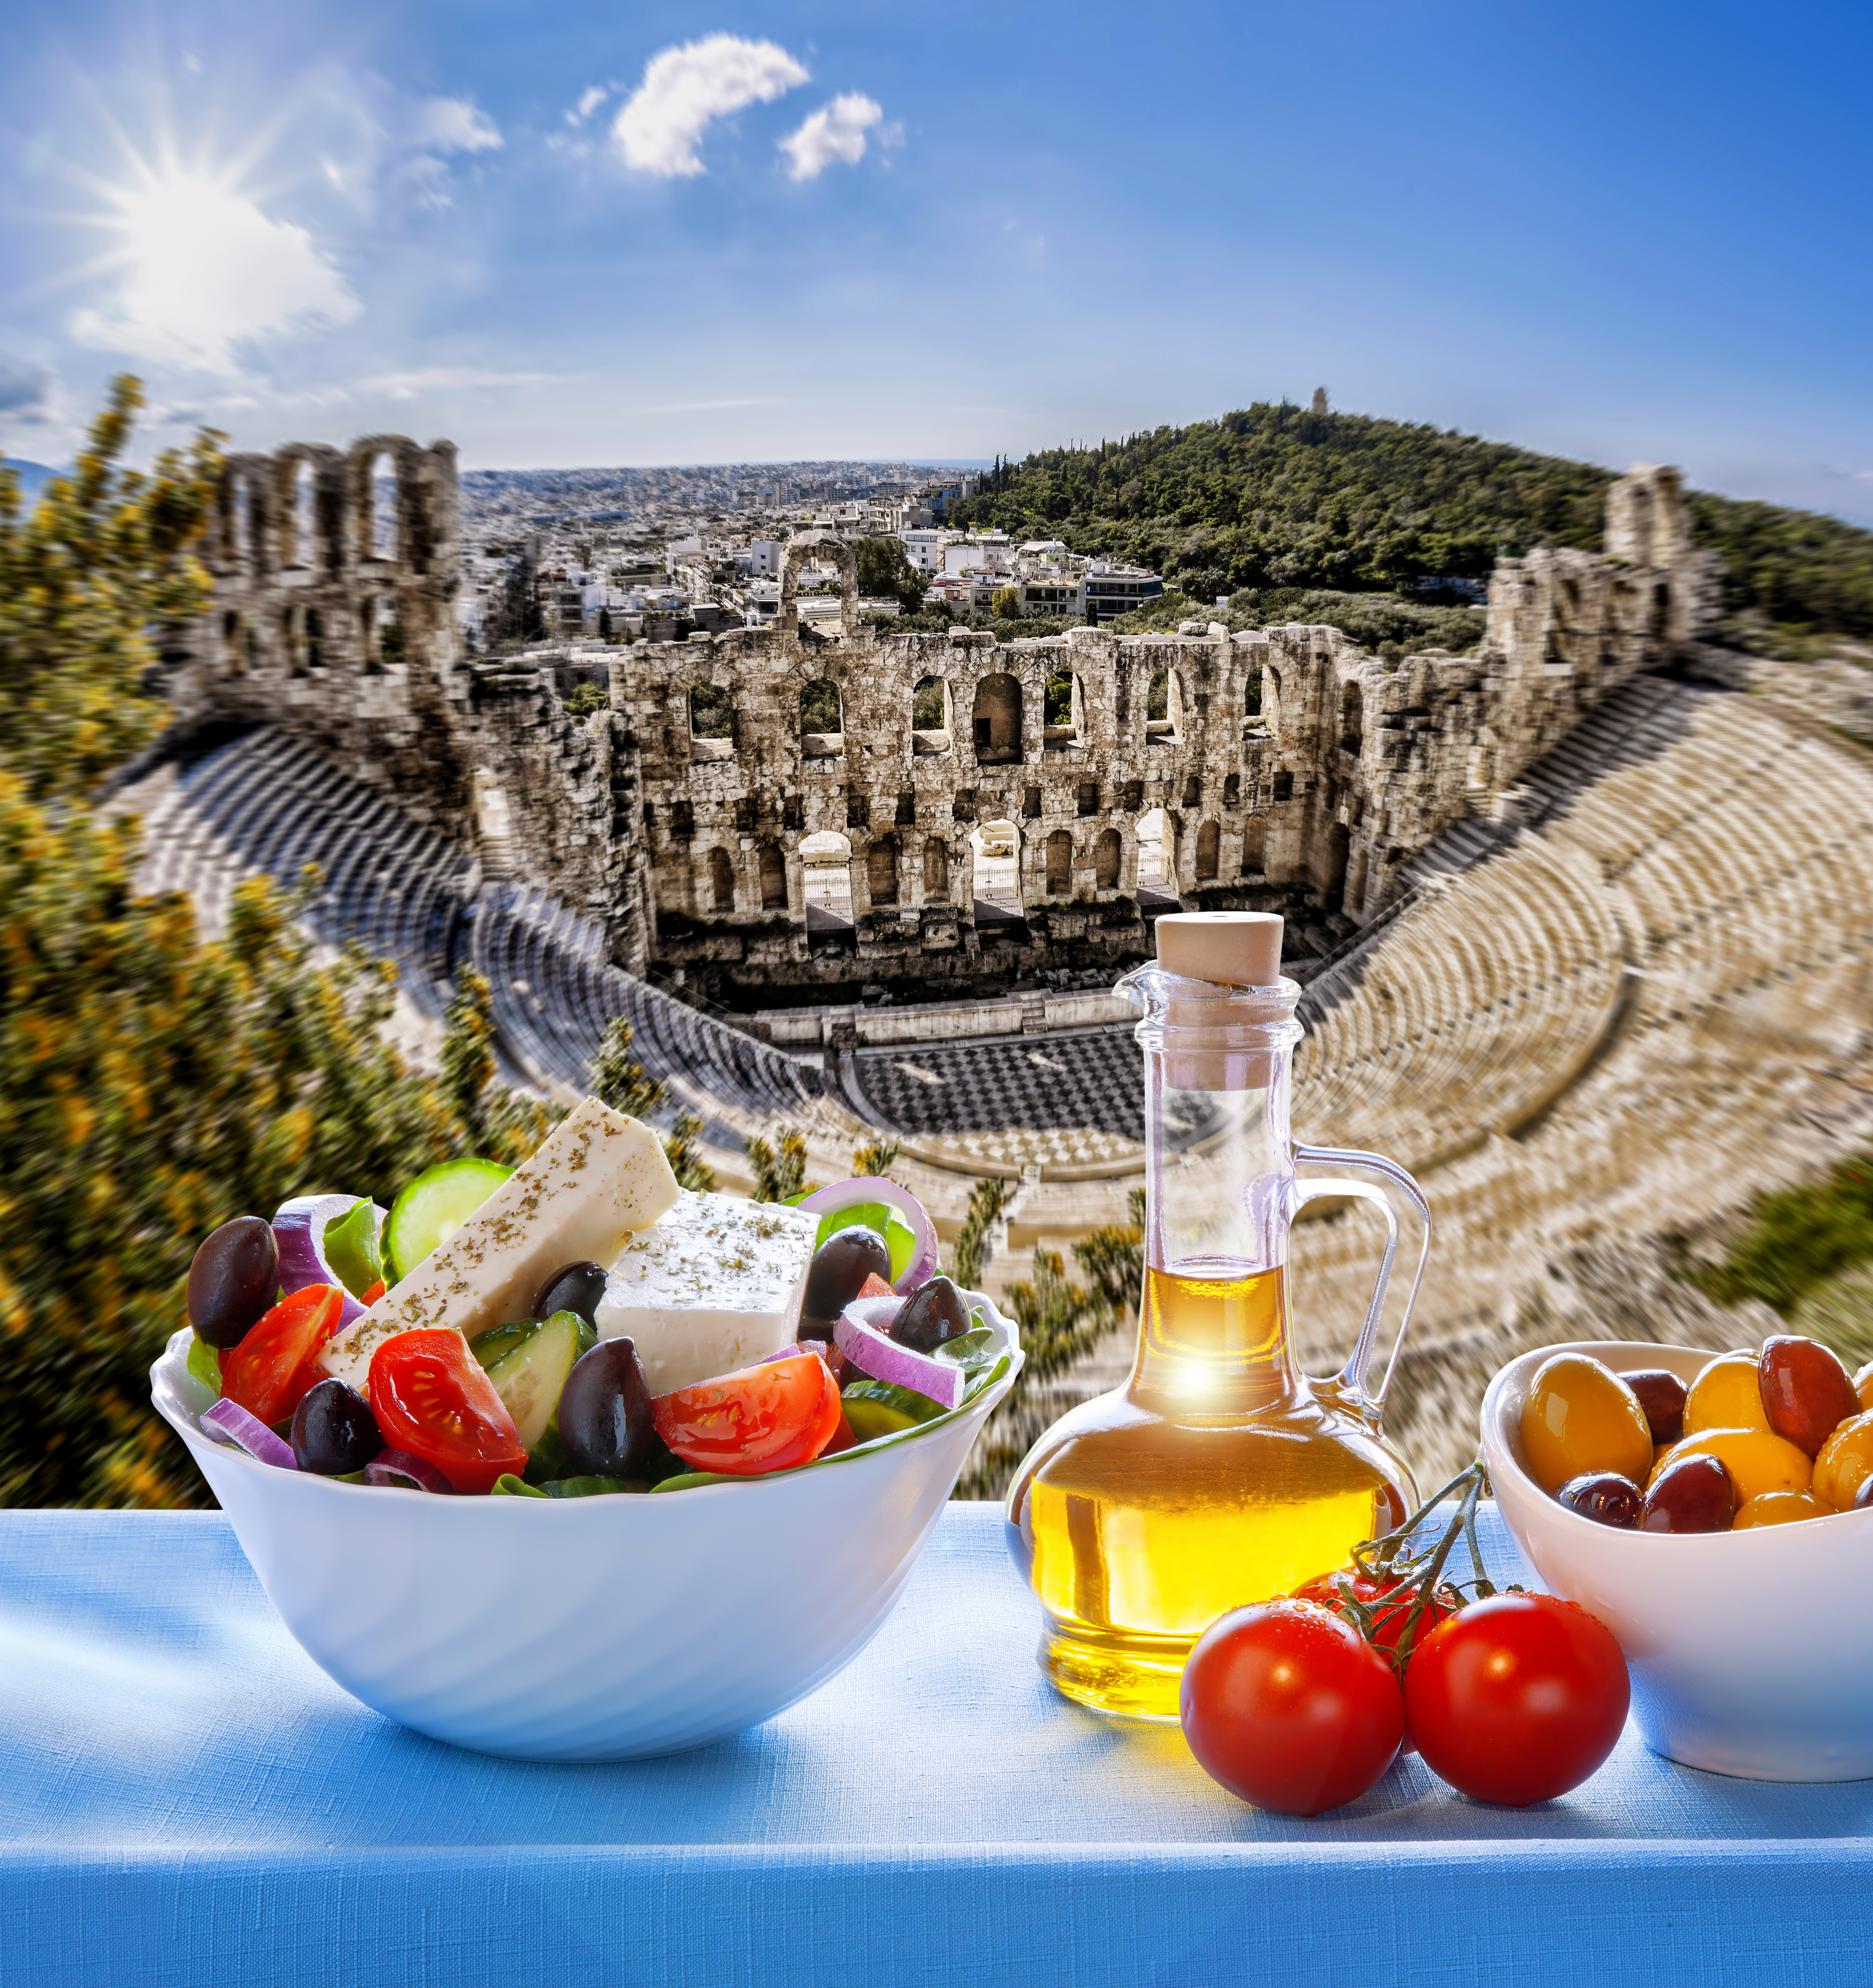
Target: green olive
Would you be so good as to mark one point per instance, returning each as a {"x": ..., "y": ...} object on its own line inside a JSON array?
[{"x": 1579, "y": 1417}]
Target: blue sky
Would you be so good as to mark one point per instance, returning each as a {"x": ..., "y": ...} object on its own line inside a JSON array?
[{"x": 662, "y": 233}]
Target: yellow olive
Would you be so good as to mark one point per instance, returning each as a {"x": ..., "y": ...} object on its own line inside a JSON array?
[
  {"x": 1726, "y": 1394},
  {"x": 1757, "y": 1459},
  {"x": 1581, "y": 1416},
  {"x": 1777, "y": 1508},
  {"x": 1845, "y": 1463},
  {"x": 1863, "y": 1385}
]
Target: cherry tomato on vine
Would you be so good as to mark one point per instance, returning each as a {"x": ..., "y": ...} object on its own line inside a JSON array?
[
  {"x": 1518, "y": 1698},
  {"x": 1388, "y": 1622},
  {"x": 1289, "y": 1707}
]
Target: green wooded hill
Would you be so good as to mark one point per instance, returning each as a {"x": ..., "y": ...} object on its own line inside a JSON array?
[{"x": 1277, "y": 496}]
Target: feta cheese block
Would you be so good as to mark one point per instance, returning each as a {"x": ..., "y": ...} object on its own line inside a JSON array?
[
  {"x": 599, "y": 1177},
  {"x": 714, "y": 1284}
]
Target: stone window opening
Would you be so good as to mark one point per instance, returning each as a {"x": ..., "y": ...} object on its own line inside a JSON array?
[
  {"x": 1134, "y": 796},
  {"x": 304, "y": 518},
  {"x": 793, "y": 811},
  {"x": 996, "y": 845},
  {"x": 1164, "y": 707},
  {"x": 1031, "y": 804},
  {"x": 1284, "y": 787},
  {"x": 233, "y": 649},
  {"x": 1209, "y": 852},
  {"x": 936, "y": 871},
  {"x": 881, "y": 870},
  {"x": 721, "y": 880},
  {"x": 712, "y": 721},
  {"x": 1062, "y": 711},
  {"x": 384, "y": 498},
  {"x": 1108, "y": 853},
  {"x": 1353, "y": 718},
  {"x": 772, "y": 865},
  {"x": 1232, "y": 790},
  {"x": 748, "y": 813},
  {"x": 315, "y": 639},
  {"x": 1088, "y": 797},
  {"x": 1059, "y": 863},
  {"x": 1252, "y": 700},
  {"x": 388, "y": 647},
  {"x": 291, "y": 638},
  {"x": 1154, "y": 849},
  {"x": 996, "y": 722},
  {"x": 822, "y": 720},
  {"x": 1255, "y": 846},
  {"x": 826, "y": 880},
  {"x": 858, "y": 808},
  {"x": 907, "y": 809},
  {"x": 1193, "y": 790},
  {"x": 930, "y": 716}
]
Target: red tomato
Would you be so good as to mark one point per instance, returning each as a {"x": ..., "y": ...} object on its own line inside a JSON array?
[
  {"x": 874, "y": 1287},
  {"x": 1289, "y": 1707},
  {"x": 1518, "y": 1698},
  {"x": 430, "y": 1397},
  {"x": 771, "y": 1417},
  {"x": 273, "y": 1366}
]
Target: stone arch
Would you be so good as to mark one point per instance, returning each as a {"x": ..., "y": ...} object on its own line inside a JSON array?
[
  {"x": 826, "y": 880},
  {"x": 996, "y": 722},
  {"x": 822, "y": 720},
  {"x": 1232, "y": 790},
  {"x": 771, "y": 867},
  {"x": 936, "y": 870},
  {"x": 1059, "y": 863},
  {"x": 799, "y": 547},
  {"x": 1154, "y": 856},
  {"x": 930, "y": 715},
  {"x": 1108, "y": 857},
  {"x": 1209, "y": 851},
  {"x": 246, "y": 513},
  {"x": 1255, "y": 845},
  {"x": 299, "y": 514},
  {"x": 384, "y": 634},
  {"x": 381, "y": 516},
  {"x": 1063, "y": 708},
  {"x": 995, "y": 847},
  {"x": 881, "y": 870},
  {"x": 712, "y": 712},
  {"x": 1252, "y": 692},
  {"x": 721, "y": 880}
]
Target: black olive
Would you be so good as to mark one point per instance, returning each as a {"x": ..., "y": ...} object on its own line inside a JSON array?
[
  {"x": 840, "y": 1266},
  {"x": 932, "y": 1313},
  {"x": 579, "y": 1287},
  {"x": 233, "y": 1278},
  {"x": 605, "y": 1413},
  {"x": 1606, "y": 1497},
  {"x": 334, "y": 1431}
]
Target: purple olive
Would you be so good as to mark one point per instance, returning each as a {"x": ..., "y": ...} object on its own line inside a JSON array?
[
  {"x": 579, "y": 1287},
  {"x": 234, "y": 1279},
  {"x": 1606, "y": 1497},
  {"x": 1691, "y": 1495},
  {"x": 1662, "y": 1395},
  {"x": 933, "y": 1313},
  {"x": 334, "y": 1431},
  {"x": 840, "y": 1266},
  {"x": 605, "y": 1413}
]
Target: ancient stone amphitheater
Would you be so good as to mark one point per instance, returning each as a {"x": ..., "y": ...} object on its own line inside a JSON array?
[{"x": 1616, "y": 985}]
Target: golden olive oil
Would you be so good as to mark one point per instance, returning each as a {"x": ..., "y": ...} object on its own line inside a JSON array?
[{"x": 1213, "y": 1478}]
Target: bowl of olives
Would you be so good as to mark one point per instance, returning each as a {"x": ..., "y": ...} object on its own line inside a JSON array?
[{"x": 1716, "y": 1511}]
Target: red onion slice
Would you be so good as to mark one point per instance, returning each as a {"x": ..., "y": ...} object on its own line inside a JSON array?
[
  {"x": 875, "y": 1187},
  {"x": 858, "y": 1332},
  {"x": 299, "y": 1229},
  {"x": 399, "y": 1471},
  {"x": 228, "y": 1422}
]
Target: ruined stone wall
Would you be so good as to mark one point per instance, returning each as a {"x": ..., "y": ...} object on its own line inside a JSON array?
[{"x": 1288, "y": 759}]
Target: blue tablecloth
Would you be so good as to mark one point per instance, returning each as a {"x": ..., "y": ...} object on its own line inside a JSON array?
[{"x": 186, "y": 1799}]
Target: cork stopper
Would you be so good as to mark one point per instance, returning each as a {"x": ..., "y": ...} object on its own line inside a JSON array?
[{"x": 1233, "y": 948}]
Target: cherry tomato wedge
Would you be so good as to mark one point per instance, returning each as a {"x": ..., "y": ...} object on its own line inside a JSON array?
[
  {"x": 1518, "y": 1698},
  {"x": 772, "y": 1417},
  {"x": 1289, "y": 1707},
  {"x": 431, "y": 1398},
  {"x": 273, "y": 1366}
]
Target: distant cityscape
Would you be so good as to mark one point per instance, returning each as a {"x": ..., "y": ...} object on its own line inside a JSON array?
[{"x": 622, "y": 555}]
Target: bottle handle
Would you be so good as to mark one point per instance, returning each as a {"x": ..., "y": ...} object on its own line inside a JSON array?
[{"x": 1350, "y": 1382}]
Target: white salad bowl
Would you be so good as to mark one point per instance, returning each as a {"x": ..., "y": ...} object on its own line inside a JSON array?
[
  {"x": 1748, "y": 1650},
  {"x": 606, "y": 1628}
]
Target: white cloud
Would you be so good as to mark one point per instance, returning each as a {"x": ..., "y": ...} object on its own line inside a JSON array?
[
  {"x": 685, "y": 89},
  {"x": 445, "y": 124},
  {"x": 588, "y": 102},
  {"x": 835, "y": 131},
  {"x": 207, "y": 271},
  {"x": 448, "y": 379}
]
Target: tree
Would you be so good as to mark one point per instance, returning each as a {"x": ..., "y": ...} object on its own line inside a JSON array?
[
  {"x": 886, "y": 574},
  {"x": 876, "y": 1159},
  {"x": 515, "y": 617},
  {"x": 618, "y": 1078},
  {"x": 604, "y": 625},
  {"x": 90, "y": 578},
  {"x": 686, "y": 1160},
  {"x": 779, "y": 1174},
  {"x": 987, "y": 1200},
  {"x": 1005, "y": 603},
  {"x": 585, "y": 698}
]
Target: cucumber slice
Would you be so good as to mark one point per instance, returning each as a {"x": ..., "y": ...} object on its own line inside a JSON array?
[
  {"x": 491, "y": 1347},
  {"x": 350, "y": 1248},
  {"x": 431, "y": 1209},
  {"x": 876, "y": 1407},
  {"x": 528, "y": 1377}
]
